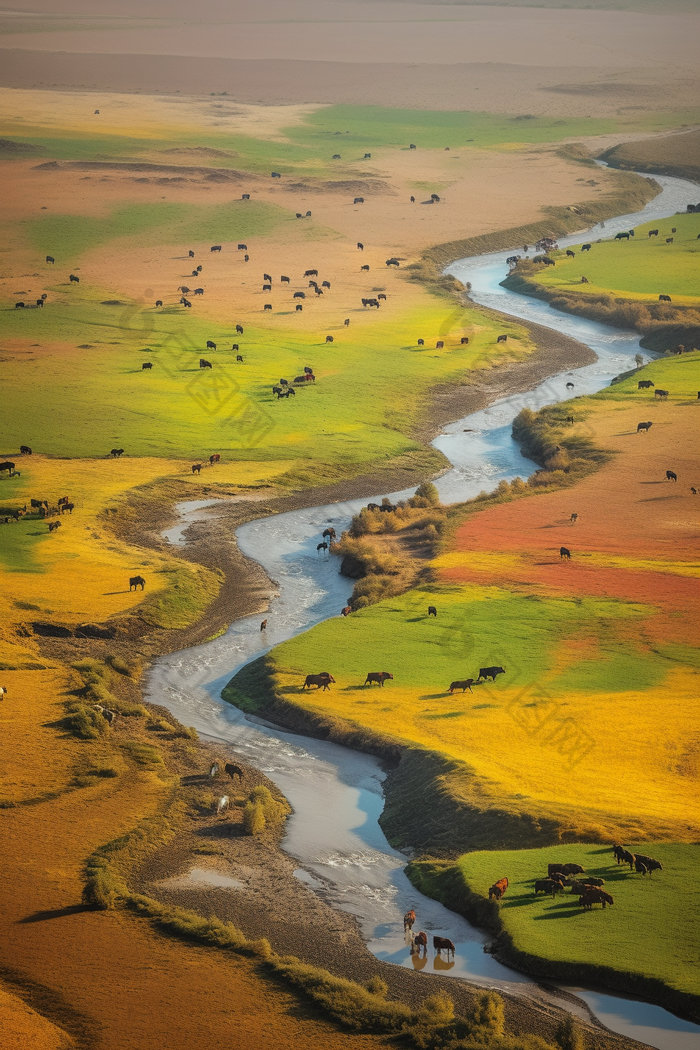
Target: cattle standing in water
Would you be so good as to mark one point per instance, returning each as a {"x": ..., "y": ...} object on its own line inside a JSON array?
[
  {"x": 464, "y": 684},
  {"x": 498, "y": 889},
  {"x": 409, "y": 919},
  {"x": 432, "y": 611},
  {"x": 671, "y": 476},
  {"x": 135, "y": 582},
  {"x": 490, "y": 672},
  {"x": 263, "y": 625},
  {"x": 378, "y": 678},
  {"x": 321, "y": 681},
  {"x": 441, "y": 944},
  {"x": 321, "y": 547},
  {"x": 565, "y": 553},
  {"x": 420, "y": 941}
]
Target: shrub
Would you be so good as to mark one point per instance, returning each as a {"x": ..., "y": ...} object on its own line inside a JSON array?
[
  {"x": 437, "y": 1010},
  {"x": 427, "y": 491},
  {"x": 489, "y": 1013},
  {"x": 84, "y": 722},
  {"x": 143, "y": 754},
  {"x": 129, "y": 670},
  {"x": 254, "y": 818},
  {"x": 377, "y": 986},
  {"x": 568, "y": 1035}
]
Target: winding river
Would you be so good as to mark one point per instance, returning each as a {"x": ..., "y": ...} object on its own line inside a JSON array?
[{"x": 336, "y": 793}]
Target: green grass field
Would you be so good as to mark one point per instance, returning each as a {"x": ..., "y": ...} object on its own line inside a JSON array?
[
  {"x": 642, "y": 268},
  {"x": 97, "y": 397},
  {"x": 649, "y": 930}
]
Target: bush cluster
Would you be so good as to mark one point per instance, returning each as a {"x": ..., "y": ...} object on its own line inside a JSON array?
[{"x": 261, "y": 809}]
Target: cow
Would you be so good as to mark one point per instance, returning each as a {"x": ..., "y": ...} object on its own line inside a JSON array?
[
  {"x": 463, "y": 684},
  {"x": 640, "y": 867},
  {"x": 664, "y": 298},
  {"x": 190, "y": 254},
  {"x": 421, "y": 342},
  {"x": 146, "y": 366},
  {"x": 310, "y": 273},
  {"x": 215, "y": 248},
  {"x": 585, "y": 247},
  {"x": 498, "y": 889},
  {"x": 569, "y": 386},
  {"x": 412, "y": 145},
  {"x": 70, "y": 507},
  {"x": 392, "y": 262},
  {"x": 420, "y": 941},
  {"x": 649, "y": 863},
  {"x": 25, "y": 450},
  {"x": 622, "y": 236},
  {"x": 308, "y": 215},
  {"x": 627, "y": 858},
  {"x": 565, "y": 869},
  {"x": 366, "y": 268},
  {"x": 199, "y": 291},
  {"x": 214, "y": 458},
  {"x": 159, "y": 302},
  {"x": 222, "y": 805},
  {"x": 409, "y": 919},
  {"x": 297, "y": 295},
  {"x": 584, "y": 280},
  {"x": 367, "y": 156},
  {"x": 464, "y": 341},
  {"x": 547, "y": 261},
  {"x": 502, "y": 339},
  {"x": 210, "y": 345},
  {"x": 653, "y": 233},
  {"x": 413, "y": 200},
  {"x": 245, "y": 196},
  {"x": 243, "y": 247},
  {"x": 570, "y": 254},
  {"x": 263, "y": 625},
  {"x": 439, "y": 345},
  {"x": 551, "y": 886},
  {"x": 669, "y": 240},
  {"x": 378, "y": 677},
  {"x": 329, "y": 338},
  {"x": 595, "y": 896},
  {"x": 326, "y": 284},
  {"x": 53, "y": 525},
  {"x": 298, "y": 308},
  {"x": 35, "y": 504},
  {"x": 275, "y": 175},
  {"x": 321, "y": 681},
  {"x": 644, "y": 426},
  {"x": 239, "y": 329},
  {"x": 285, "y": 280},
  {"x": 671, "y": 476},
  {"x": 434, "y": 197},
  {"x": 186, "y": 302},
  {"x": 19, "y": 306},
  {"x": 490, "y": 672},
  {"x": 116, "y": 452},
  {"x": 359, "y": 200},
  {"x": 40, "y": 302},
  {"x": 321, "y": 546},
  {"x": 644, "y": 384},
  {"x": 196, "y": 468},
  {"x": 346, "y": 610},
  {"x": 232, "y": 770},
  {"x": 565, "y": 553},
  {"x": 441, "y": 944},
  {"x": 135, "y": 582},
  {"x": 574, "y": 518},
  {"x": 660, "y": 393},
  {"x": 111, "y": 716},
  {"x": 50, "y": 259},
  {"x": 203, "y": 363},
  {"x": 73, "y": 279},
  {"x": 432, "y": 611},
  {"x": 267, "y": 306}
]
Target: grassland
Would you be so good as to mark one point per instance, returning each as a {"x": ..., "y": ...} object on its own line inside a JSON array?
[
  {"x": 645, "y": 943},
  {"x": 638, "y": 269},
  {"x": 591, "y": 655}
]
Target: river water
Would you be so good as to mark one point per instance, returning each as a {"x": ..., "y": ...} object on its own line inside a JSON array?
[{"x": 336, "y": 793}]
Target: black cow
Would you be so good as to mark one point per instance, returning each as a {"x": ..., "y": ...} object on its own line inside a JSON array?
[
  {"x": 570, "y": 254},
  {"x": 653, "y": 233},
  {"x": 622, "y": 236},
  {"x": 670, "y": 476},
  {"x": 210, "y": 345},
  {"x": 215, "y": 248},
  {"x": 9, "y": 467},
  {"x": 359, "y": 200},
  {"x": 490, "y": 672},
  {"x": 565, "y": 553},
  {"x": 25, "y": 450},
  {"x": 660, "y": 393},
  {"x": 551, "y": 886},
  {"x": 19, "y": 306},
  {"x": 275, "y": 175},
  {"x": 116, "y": 452},
  {"x": 203, "y": 363},
  {"x": 502, "y": 339},
  {"x": 232, "y": 770},
  {"x": 585, "y": 247},
  {"x": 643, "y": 426},
  {"x": 239, "y": 329},
  {"x": 50, "y": 258},
  {"x": 432, "y": 611},
  {"x": 245, "y": 197},
  {"x": 146, "y": 366},
  {"x": 159, "y": 302},
  {"x": 135, "y": 582},
  {"x": 644, "y": 384},
  {"x": 191, "y": 254},
  {"x": 243, "y": 247},
  {"x": 664, "y": 298},
  {"x": 73, "y": 279}
]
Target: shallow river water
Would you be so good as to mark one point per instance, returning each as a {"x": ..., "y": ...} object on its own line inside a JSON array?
[{"x": 336, "y": 793}]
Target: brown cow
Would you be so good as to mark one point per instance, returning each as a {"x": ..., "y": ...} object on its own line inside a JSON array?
[
  {"x": 498, "y": 889},
  {"x": 595, "y": 896},
  {"x": 465, "y": 684},
  {"x": 552, "y": 886},
  {"x": 321, "y": 681},
  {"x": 409, "y": 919},
  {"x": 380, "y": 677},
  {"x": 443, "y": 944}
]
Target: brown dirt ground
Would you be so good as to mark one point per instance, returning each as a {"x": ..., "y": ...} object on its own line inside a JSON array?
[{"x": 588, "y": 62}]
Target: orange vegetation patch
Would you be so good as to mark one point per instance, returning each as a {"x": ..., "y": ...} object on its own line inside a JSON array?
[{"x": 636, "y": 537}]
